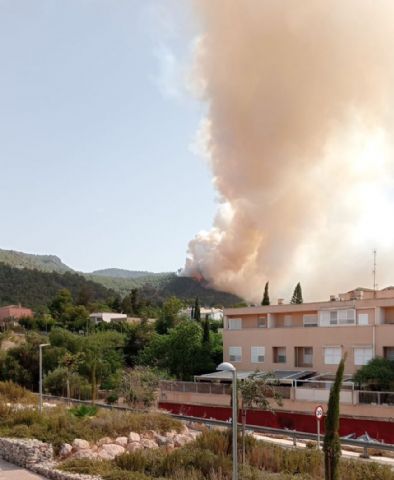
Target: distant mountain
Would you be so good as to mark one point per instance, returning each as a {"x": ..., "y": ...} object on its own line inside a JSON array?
[
  {"x": 154, "y": 286},
  {"x": 121, "y": 273},
  {"x": 44, "y": 263},
  {"x": 35, "y": 289}
]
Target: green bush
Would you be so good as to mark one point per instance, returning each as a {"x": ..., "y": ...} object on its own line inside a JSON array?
[
  {"x": 84, "y": 411},
  {"x": 87, "y": 466}
]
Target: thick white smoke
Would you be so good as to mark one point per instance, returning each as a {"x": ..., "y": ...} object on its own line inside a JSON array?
[{"x": 299, "y": 134}]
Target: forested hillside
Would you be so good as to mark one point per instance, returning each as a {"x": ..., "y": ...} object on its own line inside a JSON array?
[
  {"x": 33, "y": 288},
  {"x": 44, "y": 263}
]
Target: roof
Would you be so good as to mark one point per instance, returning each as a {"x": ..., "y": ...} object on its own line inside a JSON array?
[{"x": 285, "y": 376}]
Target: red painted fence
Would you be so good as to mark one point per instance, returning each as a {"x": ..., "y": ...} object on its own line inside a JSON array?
[{"x": 378, "y": 429}]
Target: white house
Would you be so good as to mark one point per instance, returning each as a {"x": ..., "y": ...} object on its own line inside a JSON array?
[{"x": 107, "y": 317}]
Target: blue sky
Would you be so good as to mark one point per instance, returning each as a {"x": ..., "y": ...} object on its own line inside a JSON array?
[{"x": 96, "y": 128}]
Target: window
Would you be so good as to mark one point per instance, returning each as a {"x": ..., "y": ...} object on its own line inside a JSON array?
[
  {"x": 363, "y": 319},
  {"x": 303, "y": 356},
  {"x": 234, "y": 324},
  {"x": 262, "y": 322},
  {"x": 257, "y": 354},
  {"x": 235, "y": 354},
  {"x": 332, "y": 355},
  {"x": 337, "y": 317},
  {"x": 346, "y": 317},
  {"x": 362, "y": 355},
  {"x": 288, "y": 321},
  {"x": 388, "y": 353},
  {"x": 310, "y": 320},
  {"x": 279, "y": 354},
  {"x": 333, "y": 317}
]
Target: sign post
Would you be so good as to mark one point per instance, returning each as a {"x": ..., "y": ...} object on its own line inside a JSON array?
[{"x": 319, "y": 415}]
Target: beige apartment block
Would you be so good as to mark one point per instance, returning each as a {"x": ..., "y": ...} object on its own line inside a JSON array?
[{"x": 312, "y": 336}]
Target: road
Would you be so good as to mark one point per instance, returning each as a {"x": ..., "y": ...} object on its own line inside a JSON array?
[{"x": 12, "y": 472}]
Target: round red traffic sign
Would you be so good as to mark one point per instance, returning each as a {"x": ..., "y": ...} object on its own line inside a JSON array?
[{"x": 319, "y": 412}]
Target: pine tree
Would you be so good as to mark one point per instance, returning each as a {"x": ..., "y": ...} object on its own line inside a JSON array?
[
  {"x": 197, "y": 313},
  {"x": 266, "y": 297},
  {"x": 297, "y": 294},
  {"x": 332, "y": 443}
]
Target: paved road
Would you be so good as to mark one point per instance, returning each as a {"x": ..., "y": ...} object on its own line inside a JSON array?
[{"x": 11, "y": 472}]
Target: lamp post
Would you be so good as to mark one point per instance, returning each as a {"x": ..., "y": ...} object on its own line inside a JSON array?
[
  {"x": 41, "y": 346},
  {"x": 229, "y": 367}
]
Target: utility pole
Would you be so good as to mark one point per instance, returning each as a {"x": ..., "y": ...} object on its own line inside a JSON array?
[{"x": 374, "y": 271}]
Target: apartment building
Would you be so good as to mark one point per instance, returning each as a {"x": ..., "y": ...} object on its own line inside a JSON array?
[{"x": 312, "y": 336}]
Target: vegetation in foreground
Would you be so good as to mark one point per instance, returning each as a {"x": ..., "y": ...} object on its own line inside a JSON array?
[{"x": 208, "y": 457}]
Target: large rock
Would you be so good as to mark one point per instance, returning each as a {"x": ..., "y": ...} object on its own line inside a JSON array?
[
  {"x": 79, "y": 444},
  {"x": 162, "y": 440},
  {"x": 134, "y": 446},
  {"x": 109, "y": 451},
  {"x": 85, "y": 453},
  {"x": 65, "y": 450},
  {"x": 134, "y": 437},
  {"x": 148, "y": 443},
  {"x": 180, "y": 440},
  {"x": 104, "y": 441},
  {"x": 122, "y": 441}
]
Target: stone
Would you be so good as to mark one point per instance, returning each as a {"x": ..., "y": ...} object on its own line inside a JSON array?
[
  {"x": 149, "y": 443},
  {"x": 104, "y": 440},
  {"x": 134, "y": 437},
  {"x": 85, "y": 453},
  {"x": 109, "y": 451},
  {"x": 134, "y": 446},
  {"x": 122, "y": 441},
  {"x": 65, "y": 450},
  {"x": 150, "y": 434},
  {"x": 162, "y": 440},
  {"x": 79, "y": 444},
  {"x": 180, "y": 440}
]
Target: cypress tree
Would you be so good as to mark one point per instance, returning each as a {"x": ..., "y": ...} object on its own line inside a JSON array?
[
  {"x": 266, "y": 297},
  {"x": 197, "y": 313},
  {"x": 205, "y": 333},
  {"x": 332, "y": 443},
  {"x": 297, "y": 294}
]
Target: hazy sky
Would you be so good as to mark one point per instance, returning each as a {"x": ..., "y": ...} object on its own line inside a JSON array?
[{"x": 96, "y": 132}]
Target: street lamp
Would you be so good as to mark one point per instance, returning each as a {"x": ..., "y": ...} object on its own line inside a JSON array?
[
  {"x": 229, "y": 367},
  {"x": 41, "y": 346}
]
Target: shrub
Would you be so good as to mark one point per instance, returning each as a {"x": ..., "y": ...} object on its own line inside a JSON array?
[
  {"x": 13, "y": 393},
  {"x": 84, "y": 411},
  {"x": 87, "y": 466}
]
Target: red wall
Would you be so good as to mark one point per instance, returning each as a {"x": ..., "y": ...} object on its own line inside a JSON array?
[{"x": 381, "y": 430}]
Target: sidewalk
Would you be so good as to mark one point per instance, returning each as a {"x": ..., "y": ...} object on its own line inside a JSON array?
[{"x": 12, "y": 472}]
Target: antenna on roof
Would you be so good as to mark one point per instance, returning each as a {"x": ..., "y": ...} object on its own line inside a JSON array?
[{"x": 374, "y": 271}]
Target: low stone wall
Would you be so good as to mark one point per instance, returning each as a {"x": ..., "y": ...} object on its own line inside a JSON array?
[
  {"x": 25, "y": 452},
  {"x": 37, "y": 457}
]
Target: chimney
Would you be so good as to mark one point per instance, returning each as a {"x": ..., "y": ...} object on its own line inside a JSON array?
[
  {"x": 333, "y": 298},
  {"x": 280, "y": 301}
]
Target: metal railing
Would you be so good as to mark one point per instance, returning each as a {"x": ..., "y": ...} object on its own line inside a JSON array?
[
  {"x": 377, "y": 398},
  {"x": 195, "y": 387}
]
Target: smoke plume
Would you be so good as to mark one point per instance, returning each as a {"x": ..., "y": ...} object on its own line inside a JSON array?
[{"x": 299, "y": 137}]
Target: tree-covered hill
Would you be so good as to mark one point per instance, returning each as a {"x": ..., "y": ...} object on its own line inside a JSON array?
[
  {"x": 35, "y": 289},
  {"x": 122, "y": 273},
  {"x": 44, "y": 263}
]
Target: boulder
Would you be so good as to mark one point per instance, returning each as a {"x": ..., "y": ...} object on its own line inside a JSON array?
[
  {"x": 65, "y": 450},
  {"x": 122, "y": 441},
  {"x": 134, "y": 437},
  {"x": 133, "y": 446},
  {"x": 162, "y": 439},
  {"x": 109, "y": 451},
  {"x": 86, "y": 453},
  {"x": 148, "y": 443},
  {"x": 151, "y": 434},
  {"x": 79, "y": 444},
  {"x": 180, "y": 440},
  {"x": 104, "y": 441}
]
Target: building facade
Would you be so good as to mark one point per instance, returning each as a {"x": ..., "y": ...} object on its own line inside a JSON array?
[
  {"x": 312, "y": 336},
  {"x": 14, "y": 312}
]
